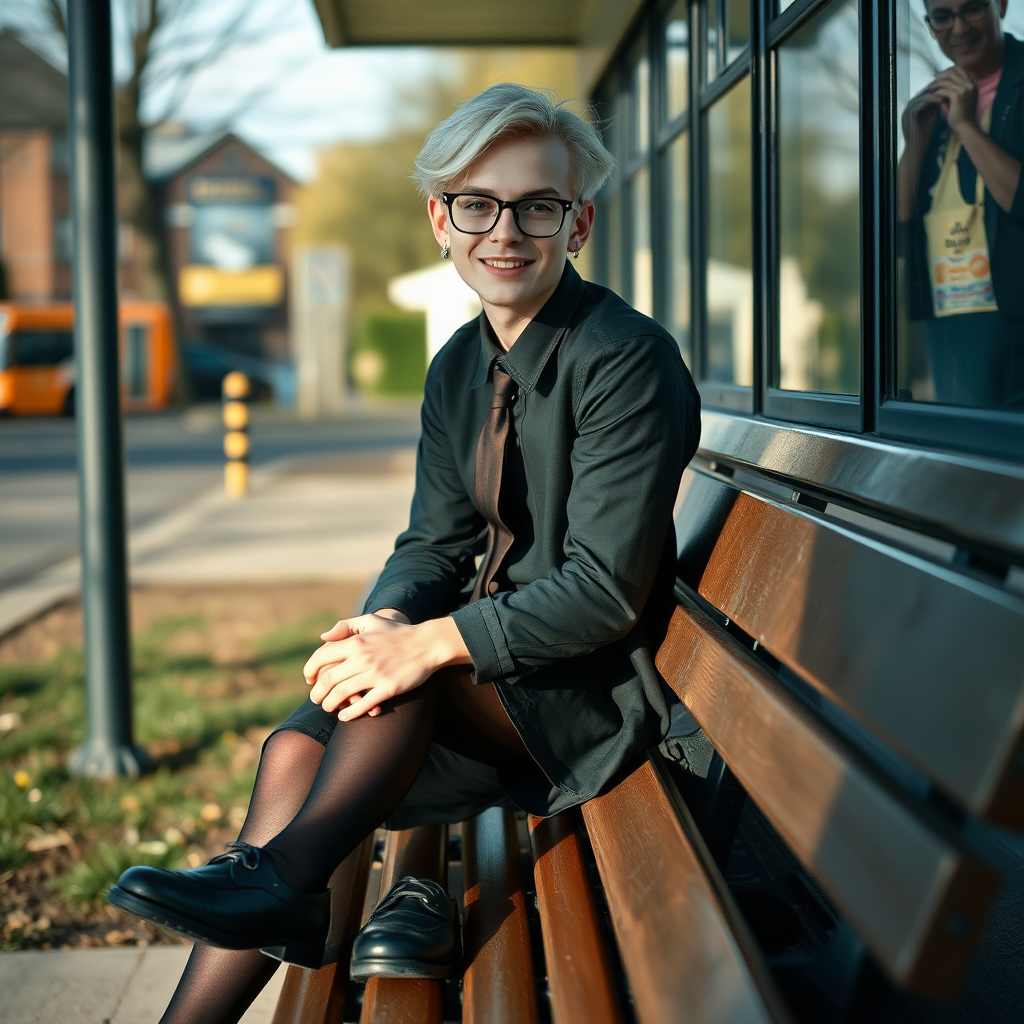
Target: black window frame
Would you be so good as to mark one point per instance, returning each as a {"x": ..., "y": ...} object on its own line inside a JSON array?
[{"x": 876, "y": 410}]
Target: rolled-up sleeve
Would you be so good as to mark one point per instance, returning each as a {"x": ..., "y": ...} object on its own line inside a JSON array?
[
  {"x": 434, "y": 558},
  {"x": 637, "y": 425}
]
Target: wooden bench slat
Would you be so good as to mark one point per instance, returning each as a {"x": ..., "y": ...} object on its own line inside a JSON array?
[
  {"x": 498, "y": 983},
  {"x": 916, "y": 900},
  {"x": 318, "y": 997},
  {"x": 419, "y": 852},
  {"x": 809, "y": 591},
  {"x": 680, "y": 951},
  {"x": 402, "y": 1001},
  {"x": 579, "y": 968}
]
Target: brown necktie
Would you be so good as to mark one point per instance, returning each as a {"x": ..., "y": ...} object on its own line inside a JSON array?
[{"x": 490, "y": 458}]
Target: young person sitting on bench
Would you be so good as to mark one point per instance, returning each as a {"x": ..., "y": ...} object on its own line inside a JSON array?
[{"x": 555, "y": 429}]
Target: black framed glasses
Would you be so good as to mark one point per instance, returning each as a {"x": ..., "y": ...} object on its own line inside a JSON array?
[
  {"x": 474, "y": 213},
  {"x": 974, "y": 13}
]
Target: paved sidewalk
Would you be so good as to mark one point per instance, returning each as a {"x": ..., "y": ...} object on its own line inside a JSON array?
[
  {"x": 304, "y": 519},
  {"x": 102, "y": 986}
]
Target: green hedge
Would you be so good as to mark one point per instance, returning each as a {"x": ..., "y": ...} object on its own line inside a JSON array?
[{"x": 389, "y": 353}]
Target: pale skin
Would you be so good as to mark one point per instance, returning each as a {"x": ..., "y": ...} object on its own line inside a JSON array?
[
  {"x": 370, "y": 659},
  {"x": 977, "y": 52}
]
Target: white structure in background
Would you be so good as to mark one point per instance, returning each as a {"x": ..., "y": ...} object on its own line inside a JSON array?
[
  {"x": 439, "y": 292},
  {"x": 799, "y": 320},
  {"x": 731, "y": 316},
  {"x": 319, "y": 326}
]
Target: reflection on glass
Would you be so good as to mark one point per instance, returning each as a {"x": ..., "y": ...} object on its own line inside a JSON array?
[
  {"x": 232, "y": 236},
  {"x": 960, "y": 255},
  {"x": 819, "y": 211},
  {"x": 640, "y": 227},
  {"x": 677, "y": 59},
  {"x": 713, "y": 30},
  {"x": 679, "y": 242},
  {"x": 783, "y": 4},
  {"x": 641, "y": 106},
  {"x": 729, "y": 286},
  {"x": 613, "y": 241},
  {"x": 737, "y": 13}
]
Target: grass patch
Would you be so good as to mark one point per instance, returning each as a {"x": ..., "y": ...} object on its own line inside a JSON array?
[
  {"x": 91, "y": 879},
  {"x": 203, "y": 717}
]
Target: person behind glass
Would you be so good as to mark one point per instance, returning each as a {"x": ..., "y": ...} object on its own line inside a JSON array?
[
  {"x": 555, "y": 429},
  {"x": 960, "y": 193}
]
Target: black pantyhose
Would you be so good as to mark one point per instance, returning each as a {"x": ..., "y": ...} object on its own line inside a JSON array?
[
  {"x": 371, "y": 763},
  {"x": 218, "y": 985},
  {"x": 312, "y": 806}
]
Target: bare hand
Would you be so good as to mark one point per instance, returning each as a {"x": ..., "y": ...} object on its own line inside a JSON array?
[
  {"x": 341, "y": 631},
  {"x": 919, "y": 117},
  {"x": 959, "y": 96},
  {"x": 370, "y": 659}
]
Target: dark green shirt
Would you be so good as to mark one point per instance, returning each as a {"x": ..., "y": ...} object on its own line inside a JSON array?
[{"x": 604, "y": 423}]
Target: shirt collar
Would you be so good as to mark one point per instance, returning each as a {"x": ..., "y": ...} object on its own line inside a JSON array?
[{"x": 526, "y": 360}]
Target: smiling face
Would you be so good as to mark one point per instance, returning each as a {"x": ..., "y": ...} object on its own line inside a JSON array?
[
  {"x": 513, "y": 273},
  {"x": 974, "y": 45}
]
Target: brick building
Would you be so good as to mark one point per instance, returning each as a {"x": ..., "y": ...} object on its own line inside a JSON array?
[{"x": 227, "y": 213}]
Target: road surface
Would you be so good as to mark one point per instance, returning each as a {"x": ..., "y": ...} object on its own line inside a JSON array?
[{"x": 171, "y": 458}]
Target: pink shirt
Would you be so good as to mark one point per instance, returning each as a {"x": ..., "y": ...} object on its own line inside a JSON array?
[{"x": 986, "y": 93}]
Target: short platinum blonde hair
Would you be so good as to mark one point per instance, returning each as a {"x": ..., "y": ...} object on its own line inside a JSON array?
[{"x": 508, "y": 111}]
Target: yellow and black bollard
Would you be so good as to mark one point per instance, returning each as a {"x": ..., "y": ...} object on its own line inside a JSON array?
[{"x": 235, "y": 390}]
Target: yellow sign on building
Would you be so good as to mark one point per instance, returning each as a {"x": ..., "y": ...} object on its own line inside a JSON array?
[{"x": 211, "y": 286}]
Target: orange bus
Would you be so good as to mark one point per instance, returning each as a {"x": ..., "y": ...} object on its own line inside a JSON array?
[{"x": 37, "y": 366}]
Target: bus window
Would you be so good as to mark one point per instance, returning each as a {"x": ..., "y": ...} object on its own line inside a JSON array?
[
  {"x": 5, "y": 345},
  {"x": 39, "y": 348},
  {"x": 136, "y": 360}
]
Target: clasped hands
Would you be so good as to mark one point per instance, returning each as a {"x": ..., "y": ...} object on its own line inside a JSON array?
[
  {"x": 370, "y": 659},
  {"x": 952, "y": 91}
]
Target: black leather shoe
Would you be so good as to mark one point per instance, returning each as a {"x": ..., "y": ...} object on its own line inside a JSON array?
[
  {"x": 412, "y": 933},
  {"x": 236, "y": 901}
]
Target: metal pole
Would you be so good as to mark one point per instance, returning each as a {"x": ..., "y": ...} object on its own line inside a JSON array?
[{"x": 108, "y": 750}]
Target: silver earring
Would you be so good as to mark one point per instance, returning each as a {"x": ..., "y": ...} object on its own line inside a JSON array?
[
  {"x": 575, "y": 254},
  {"x": 445, "y": 251}
]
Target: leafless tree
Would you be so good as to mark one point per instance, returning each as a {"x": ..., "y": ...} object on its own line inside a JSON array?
[{"x": 169, "y": 43}]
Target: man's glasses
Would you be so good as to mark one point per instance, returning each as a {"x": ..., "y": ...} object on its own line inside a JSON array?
[
  {"x": 974, "y": 13},
  {"x": 476, "y": 214}
]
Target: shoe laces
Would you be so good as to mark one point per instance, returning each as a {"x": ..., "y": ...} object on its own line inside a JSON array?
[
  {"x": 248, "y": 856},
  {"x": 429, "y": 893}
]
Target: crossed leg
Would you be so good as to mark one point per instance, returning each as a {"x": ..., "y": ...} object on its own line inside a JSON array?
[{"x": 311, "y": 806}]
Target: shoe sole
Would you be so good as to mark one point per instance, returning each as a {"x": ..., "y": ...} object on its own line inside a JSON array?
[
  {"x": 300, "y": 953},
  {"x": 363, "y": 970}
]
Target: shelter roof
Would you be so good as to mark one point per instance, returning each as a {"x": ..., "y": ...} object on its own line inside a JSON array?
[{"x": 594, "y": 26}]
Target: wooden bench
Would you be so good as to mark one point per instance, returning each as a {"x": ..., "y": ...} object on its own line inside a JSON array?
[{"x": 861, "y": 705}]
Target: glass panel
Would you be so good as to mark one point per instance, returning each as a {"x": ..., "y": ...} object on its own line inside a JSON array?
[
  {"x": 679, "y": 243},
  {"x": 640, "y": 227},
  {"x": 136, "y": 360},
  {"x": 613, "y": 241},
  {"x": 713, "y": 27},
  {"x": 819, "y": 208},
  {"x": 232, "y": 237},
  {"x": 640, "y": 87},
  {"x": 729, "y": 284},
  {"x": 677, "y": 59},
  {"x": 784, "y": 4},
  {"x": 40, "y": 348},
  {"x": 737, "y": 15},
  {"x": 960, "y": 263}
]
